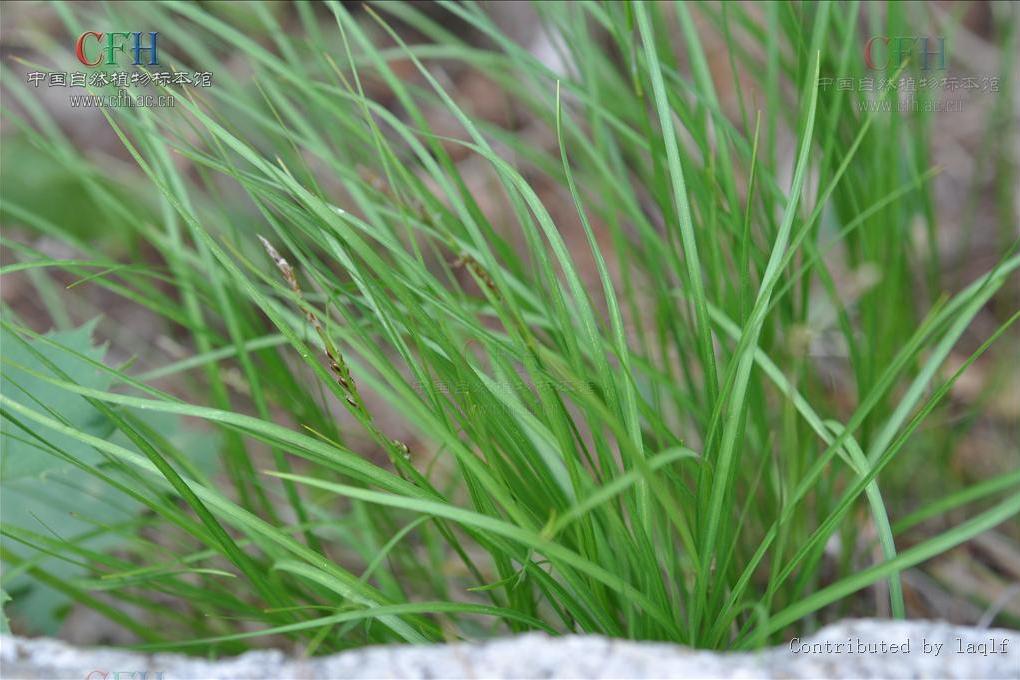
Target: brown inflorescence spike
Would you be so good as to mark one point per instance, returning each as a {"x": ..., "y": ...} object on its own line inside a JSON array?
[
  {"x": 466, "y": 260},
  {"x": 337, "y": 365}
]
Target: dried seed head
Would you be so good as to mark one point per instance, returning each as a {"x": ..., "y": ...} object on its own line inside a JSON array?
[
  {"x": 402, "y": 447},
  {"x": 281, "y": 264}
]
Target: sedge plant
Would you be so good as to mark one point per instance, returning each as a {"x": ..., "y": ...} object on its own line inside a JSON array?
[{"x": 423, "y": 375}]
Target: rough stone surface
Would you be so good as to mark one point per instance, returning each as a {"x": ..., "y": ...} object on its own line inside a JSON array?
[{"x": 865, "y": 650}]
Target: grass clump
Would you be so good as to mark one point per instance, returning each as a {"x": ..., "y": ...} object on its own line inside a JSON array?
[{"x": 457, "y": 375}]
